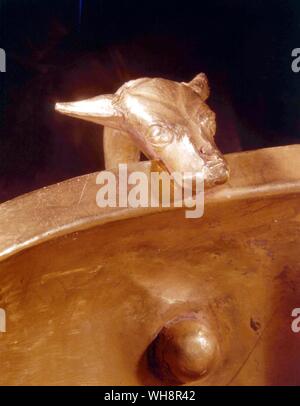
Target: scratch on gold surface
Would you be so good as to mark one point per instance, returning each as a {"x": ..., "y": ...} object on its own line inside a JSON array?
[
  {"x": 83, "y": 189},
  {"x": 59, "y": 274}
]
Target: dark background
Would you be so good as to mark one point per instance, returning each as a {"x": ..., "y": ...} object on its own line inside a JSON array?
[{"x": 61, "y": 50}]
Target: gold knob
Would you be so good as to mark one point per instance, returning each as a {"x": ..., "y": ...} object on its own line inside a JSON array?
[{"x": 185, "y": 350}]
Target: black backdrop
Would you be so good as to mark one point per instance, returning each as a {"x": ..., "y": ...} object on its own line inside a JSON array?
[{"x": 67, "y": 49}]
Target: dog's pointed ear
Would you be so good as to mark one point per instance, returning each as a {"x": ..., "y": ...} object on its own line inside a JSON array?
[
  {"x": 200, "y": 85},
  {"x": 99, "y": 110}
]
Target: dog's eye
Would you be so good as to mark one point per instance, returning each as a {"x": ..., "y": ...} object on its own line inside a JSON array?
[{"x": 160, "y": 136}]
